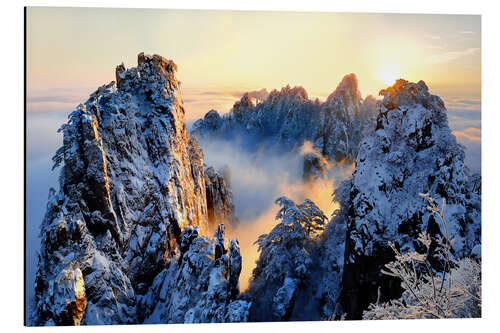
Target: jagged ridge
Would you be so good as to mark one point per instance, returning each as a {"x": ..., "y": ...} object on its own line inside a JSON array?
[{"x": 288, "y": 118}]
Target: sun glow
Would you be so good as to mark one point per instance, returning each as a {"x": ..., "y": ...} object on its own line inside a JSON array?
[{"x": 389, "y": 73}]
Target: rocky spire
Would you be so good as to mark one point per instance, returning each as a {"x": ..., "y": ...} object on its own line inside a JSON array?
[
  {"x": 347, "y": 90},
  {"x": 220, "y": 207},
  {"x": 131, "y": 180},
  {"x": 342, "y": 125}
]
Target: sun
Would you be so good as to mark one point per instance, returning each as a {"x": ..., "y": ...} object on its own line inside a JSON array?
[{"x": 389, "y": 73}]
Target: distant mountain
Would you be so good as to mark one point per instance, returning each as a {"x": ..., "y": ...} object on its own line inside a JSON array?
[
  {"x": 287, "y": 118},
  {"x": 134, "y": 213}
]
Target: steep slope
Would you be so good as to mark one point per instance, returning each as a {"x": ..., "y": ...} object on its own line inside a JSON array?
[
  {"x": 412, "y": 151},
  {"x": 220, "y": 205},
  {"x": 287, "y": 118},
  {"x": 131, "y": 181}
]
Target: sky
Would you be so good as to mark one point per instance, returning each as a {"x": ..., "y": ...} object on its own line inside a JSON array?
[{"x": 222, "y": 54}]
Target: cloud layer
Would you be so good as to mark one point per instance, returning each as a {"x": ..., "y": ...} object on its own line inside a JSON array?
[
  {"x": 445, "y": 57},
  {"x": 464, "y": 118}
]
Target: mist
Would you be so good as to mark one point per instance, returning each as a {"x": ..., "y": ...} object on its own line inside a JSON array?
[
  {"x": 42, "y": 141},
  {"x": 258, "y": 178}
]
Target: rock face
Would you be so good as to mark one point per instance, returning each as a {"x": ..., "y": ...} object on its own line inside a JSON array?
[
  {"x": 220, "y": 205},
  {"x": 202, "y": 288},
  {"x": 314, "y": 167},
  {"x": 288, "y": 118},
  {"x": 131, "y": 181},
  {"x": 412, "y": 151}
]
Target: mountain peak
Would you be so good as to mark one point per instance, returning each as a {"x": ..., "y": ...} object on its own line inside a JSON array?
[
  {"x": 132, "y": 182},
  {"x": 411, "y": 151},
  {"x": 287, "y": 92},
  {"x": 347, "y": 86},
  {"x": 155, "y": 78},
  {"x": 159, "y": 62},
  {"x": 403, "y": 92}
]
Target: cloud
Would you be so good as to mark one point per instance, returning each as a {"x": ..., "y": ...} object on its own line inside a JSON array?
[
  {"x": 257, "y": 179},
  {"x": 432, "y": 36},
  {"x": 463, "y": 112},
  {"x": 436, "y": 47},
  {"x": 70, "y": 98},
  {"x": 470, "y": 104},
  {"x": 464, "y": 118},
  {"x": 471, "y": 134},
  {"x": 259, "y": 94},
  {"x": 470, "y": 138},
  {"x": 42, "y": 141},
  {"x": 56, "y": 100},
  {"x": 452, "y": 55},
  {"x": 212, "y": 93},
  {"x": 262, "y": 93},
  {"x": 50, "y": 107},
  {"x": 198, "y": 102}
]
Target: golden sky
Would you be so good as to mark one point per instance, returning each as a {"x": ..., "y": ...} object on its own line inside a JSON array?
[{"x": 220, "y": 54}]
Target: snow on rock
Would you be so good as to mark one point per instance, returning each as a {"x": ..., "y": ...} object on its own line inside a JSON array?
[
  {"x": 132, "y": 179},
  {"x": 287, "y": 118},
  {"x": 67, "y": 293},
  {"x": 412, "y": 151},
  {"x": 283, "y": 300},
  {"x": 201, "y": 287}
]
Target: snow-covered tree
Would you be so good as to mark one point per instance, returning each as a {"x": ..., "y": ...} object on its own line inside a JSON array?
[
  {"x": 307, "y": 214},
  {"x": 285, "y": 258},
  {"x": 453, "y": 293},
  {"x": 284, "y": 250}
]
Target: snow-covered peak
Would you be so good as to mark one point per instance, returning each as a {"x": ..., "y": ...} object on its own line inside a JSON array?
[
  {"x": 132, "y": 180},
  {"x": 287, "y": 118},
  {"x": 404, "y": 93},
  {"x": 411, "y": 151},
  {"x": 348, "y": 87}
]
